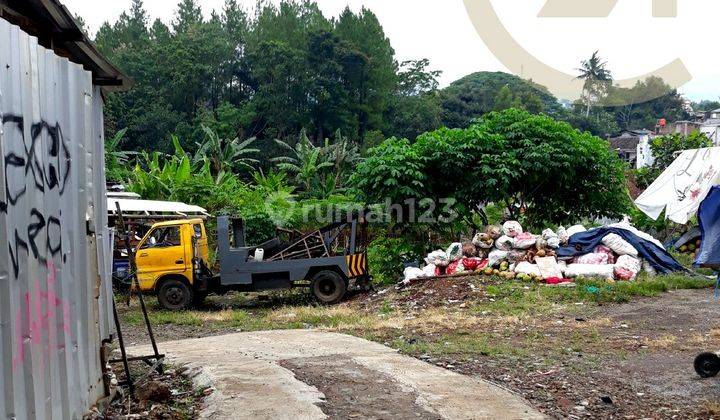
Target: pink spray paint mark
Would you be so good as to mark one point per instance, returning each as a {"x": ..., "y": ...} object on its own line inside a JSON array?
[{"x": 39, "y": 320}]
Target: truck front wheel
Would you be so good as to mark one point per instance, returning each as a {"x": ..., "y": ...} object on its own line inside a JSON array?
[
  {"x": 175, "y": 295},
  {"x": 328, "y": 287}
]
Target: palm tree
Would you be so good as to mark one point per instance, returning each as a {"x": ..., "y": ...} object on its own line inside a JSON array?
[
  {"x": 306, "y": 161},
  {"x": 225, "y": 155},
  {"x": 596, "y": 77}
]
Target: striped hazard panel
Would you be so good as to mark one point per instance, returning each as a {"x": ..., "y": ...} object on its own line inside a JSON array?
[{"x": 356, "y": 265}]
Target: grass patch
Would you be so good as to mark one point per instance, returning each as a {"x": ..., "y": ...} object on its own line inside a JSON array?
[
  {"x": 286, "y": 317},
  {"x": 501, "y": 307},
  {"x": 619, "y": 292},
  {"x": 186, "y": 318},
  {"x": 459, "y": 345},
  {"x": 521, "y": 299}
]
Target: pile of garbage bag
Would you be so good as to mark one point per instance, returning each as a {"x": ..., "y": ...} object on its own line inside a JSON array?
[{"x": 616, "y": 253}]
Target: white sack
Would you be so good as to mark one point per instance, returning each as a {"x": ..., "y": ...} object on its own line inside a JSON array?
[
  {"x": 628, "y": 263},
  {"x": 505, "y": 243},
  {"x": 496, "y": 256},
  {"x": 563, "y": 235},
  {"x": 643, "y": 235},
  {"x": 527, "y": 268},
  {"x": 602, "y": 271},
  {"x": 525, "y": 241},
  {"x": 563, "y": 266},
  {"x": 483, "y": 240},
  {"x": 438, "y": 258},
  {"x": 454, "y": 251},
  {"x": 553, "y": 243},
  {"x": 593, "y": 258},
  {"x": 648, "y": 268},
  {"x": 575, "y": 229},
  {"x": 429, "y": 270},
  {"x": 619, "y": 245},
  {"x": 549, "y": 233},
  {"x": 549, "y": 267},
  {"x": 412, "y": 273},
  {"x": 512, "y": 229}
]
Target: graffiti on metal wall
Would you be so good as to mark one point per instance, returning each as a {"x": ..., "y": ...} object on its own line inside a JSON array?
[
  {"x": 38, "y": 165},
  {"x": 42, "y": 164}
]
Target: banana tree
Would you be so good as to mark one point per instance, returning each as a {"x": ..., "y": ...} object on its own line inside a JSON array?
[
  {"x": 305, "y": 161},
  {"x": 154, "y": 180},
  {"x": 345, "y": 156},
  {"x": 226, "y": 155},
  {"x": 116, "y": 159}
]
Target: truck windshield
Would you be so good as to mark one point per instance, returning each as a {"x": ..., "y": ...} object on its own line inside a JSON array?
[{"x": 163, "y": 237}]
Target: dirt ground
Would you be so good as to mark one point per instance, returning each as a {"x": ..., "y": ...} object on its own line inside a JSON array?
[
  {"x": 640, "y": 365},
  {"x": 158, "y": 396},
  {"x": 631, "y": 360},
  {"x": 574, "y": 359},
  {"x": 353, "y": 391}
]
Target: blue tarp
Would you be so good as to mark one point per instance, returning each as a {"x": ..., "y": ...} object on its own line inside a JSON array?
[
  {"x": 586, "y": 242},
  {"x": 709, "y": 220}
]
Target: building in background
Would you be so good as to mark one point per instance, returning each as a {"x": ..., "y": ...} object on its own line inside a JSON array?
[
  {"x": 633, "y": 146},
  {"x": 684, "y": 128},
  {"x": 55, "y": 246},
  {"x": 711, "y": 126}
]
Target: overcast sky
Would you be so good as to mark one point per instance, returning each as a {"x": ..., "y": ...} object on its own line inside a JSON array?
[{"x": 632, "y": 41}]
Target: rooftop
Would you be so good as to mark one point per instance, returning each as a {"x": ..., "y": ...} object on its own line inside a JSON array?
[
  {"x": 56, "y": 29},
  {"x": 626, "y": 143}
]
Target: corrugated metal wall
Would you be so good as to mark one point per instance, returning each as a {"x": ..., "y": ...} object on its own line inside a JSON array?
[{"x": 54, "y": 247}]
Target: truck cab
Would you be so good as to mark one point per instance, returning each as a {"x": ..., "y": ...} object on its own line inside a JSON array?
[{"x": 167, "y": 258}]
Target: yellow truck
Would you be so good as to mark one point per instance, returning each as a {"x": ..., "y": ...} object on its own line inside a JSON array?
[{"x": 172, "y": 261}]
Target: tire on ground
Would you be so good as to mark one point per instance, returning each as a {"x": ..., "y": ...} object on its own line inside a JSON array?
[
  {"x": 175, "y": 295},
  {"x": 707, "y": 365},
  {"x": 328, "y": 287}
]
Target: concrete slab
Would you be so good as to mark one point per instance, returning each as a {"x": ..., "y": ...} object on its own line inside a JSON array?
[{"x": 280, "y": 375}]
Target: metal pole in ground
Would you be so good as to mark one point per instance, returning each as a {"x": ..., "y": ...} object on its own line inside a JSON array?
[
  {"x": 136, "y": 283},
  {"x": 126, "y": 366}
]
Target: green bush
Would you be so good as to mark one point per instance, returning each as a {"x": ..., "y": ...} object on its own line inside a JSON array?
[
  {"x": 258, "y": 229},
  {"x": 646, "y": 176},
  {"x": 387, "y": 257}
]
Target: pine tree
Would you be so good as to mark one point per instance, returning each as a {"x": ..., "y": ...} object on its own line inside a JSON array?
[
  {"x": 188, "y": 15},
  {"x": 372, "y": 96}
]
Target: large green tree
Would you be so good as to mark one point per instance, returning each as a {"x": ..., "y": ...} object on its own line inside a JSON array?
[
  {"x": 645, "y": 103},
  {"x": 415, "y": 108},
  {"x": 541, "y": 170},
  {"x": 478, "y": 94},
  {"x": 269, "y": 75}
]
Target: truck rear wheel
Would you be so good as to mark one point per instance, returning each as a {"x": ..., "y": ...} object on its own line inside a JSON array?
[
  {"x": 175, "y": 295},
  {"x": 328, "y": 287}
]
